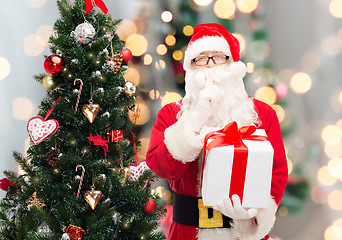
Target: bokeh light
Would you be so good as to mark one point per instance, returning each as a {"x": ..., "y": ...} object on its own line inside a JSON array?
[
  {"x": 247, "y": 6},
  {"x": 170, "y": 40},
  {"x": 333, "y": 150},
  {"x": 148, "y": 59},
  {"x": 335, "y": 167},
  {"x": 143, "y": 115},
  {"x": 319, "y": 194},
  {"x": 154, "y": 94},
  {"x": 132, "y": 75},
  {"x": 335, "y": 8},
  {"x": 324, "y": 176},
  {"x": 224, "y": 9},
  {"x": 137, "y": 44},
  {"x": 170, "y": 97},
  {"x": 331, "y": 45},
  {"x": 202, "y": 2},
  {"x": 331, "y": 134},
  {"x": 5, "y": 68},
  {"x": 300, "y": 83},
  {"x": 160, "y": 64},
  {"x": 22, "y": 108},
  {"x": 45, "y": 32},
  {"x": 125, "y": 29},
  {"x": 283, "y": 211},
  {"x": 188, "y": 30},
  {"x": 161, "y": 49},
  {"x": 34, "y": 45},
  {"x": 242, "y": 42},
  {"x": 36, "y": 3},
  {"x": 310, "y": 61},
  {"x": 177, "y": 55},
  {"x": 280, "y": 112},
  {"x": 266, "y": 94},
  {"x": 289, "y": 166},
  {"x": 332, "y": 233},
  {"x": 250, "y": 67},
  {"x": 166, "y": 16},
  {"x": 334, "y": 200}
]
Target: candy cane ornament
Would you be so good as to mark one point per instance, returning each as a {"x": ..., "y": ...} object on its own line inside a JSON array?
[
  {"x": 79, "y": 188},
  {"x": 79, "y": 92}
]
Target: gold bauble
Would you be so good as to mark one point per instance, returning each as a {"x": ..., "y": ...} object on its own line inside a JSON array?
[{"x": 48, "y": 82}]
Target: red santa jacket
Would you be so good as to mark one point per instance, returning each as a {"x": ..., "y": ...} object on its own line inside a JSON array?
[{"x": 183, "y": 177}]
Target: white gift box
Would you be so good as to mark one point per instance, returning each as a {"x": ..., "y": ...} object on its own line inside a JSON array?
[{"x": 216, "y": 176}]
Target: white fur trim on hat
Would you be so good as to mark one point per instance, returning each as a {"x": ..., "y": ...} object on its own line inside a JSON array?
[{"x": 207, "y": 43}]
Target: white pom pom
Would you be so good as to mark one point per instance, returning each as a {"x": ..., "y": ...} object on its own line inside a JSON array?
[{"x": 65, "y": 236}]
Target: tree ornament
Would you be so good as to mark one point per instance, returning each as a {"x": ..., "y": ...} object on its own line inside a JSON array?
[
  {"x": 115, "y": 61},
  {"x": 123, "y": 174},
  {"x": 54, "y": 64},
  {"x": 76, "y": 233},
  {"x": 114, "y": 135},
  {"x": 92, "y": 197},
  {"x": 48, "y": 82},
  {"x": 39, "y": 129},
  {"x": 91, "y": 110},
  {"x": 130, "y": 88},
  {"x": 52, "y": 156},
  {"x": 99, "y": 142},
  {"x": 5, "y": 184},
  {"x": 84, "y": 33},
  {"x": 126, "y": 55},
  {"x": 79, "y": 187},
  {"x": 150, "y": 207},
  {"x": 33, "y": 200},
  {"x": 79, "y": 92}
]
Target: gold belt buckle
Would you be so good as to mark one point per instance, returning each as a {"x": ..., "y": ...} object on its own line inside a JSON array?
[{"x": 204, "y": 221}]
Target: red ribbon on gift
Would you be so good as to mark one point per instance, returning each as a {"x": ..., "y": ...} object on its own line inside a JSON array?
[
  {"x": 232, "y": 135},
  {"x": 99, "y": 3}
]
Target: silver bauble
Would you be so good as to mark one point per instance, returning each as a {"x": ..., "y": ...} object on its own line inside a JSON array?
[{"x": 84, "y": 33}]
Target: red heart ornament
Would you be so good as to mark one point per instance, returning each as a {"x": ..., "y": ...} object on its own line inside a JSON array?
[
  {"x": 137, "y": 171},
  {"x": 39, "y": 129}
]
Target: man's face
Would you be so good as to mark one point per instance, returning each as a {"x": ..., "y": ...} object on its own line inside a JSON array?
[{"x": 209, "y": 59}]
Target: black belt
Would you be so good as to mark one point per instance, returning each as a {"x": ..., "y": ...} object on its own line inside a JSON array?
[{"x": 190, "y": 211}]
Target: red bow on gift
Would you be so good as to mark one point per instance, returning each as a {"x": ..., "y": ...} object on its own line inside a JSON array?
[
  {"x": 99, "y": 3},
  {"x": 232, "y": 135},
  {"x": 99, "y": 142}
]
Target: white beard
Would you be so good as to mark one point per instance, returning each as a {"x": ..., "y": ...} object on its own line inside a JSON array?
[{"x": 236, "y": 105}]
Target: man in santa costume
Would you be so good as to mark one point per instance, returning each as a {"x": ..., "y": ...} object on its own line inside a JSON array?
[{"x": 215, "y": 96}]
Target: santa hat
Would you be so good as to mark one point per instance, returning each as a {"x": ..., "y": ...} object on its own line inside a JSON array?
[{"x": 211, "y": 37}]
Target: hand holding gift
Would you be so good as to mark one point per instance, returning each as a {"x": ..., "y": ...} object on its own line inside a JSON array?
[{"x": 235, "y": 210}]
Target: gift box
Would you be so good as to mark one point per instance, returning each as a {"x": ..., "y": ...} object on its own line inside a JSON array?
[
  {"x": 237, "y": 161},
  {"x": 74, "y": 232}
]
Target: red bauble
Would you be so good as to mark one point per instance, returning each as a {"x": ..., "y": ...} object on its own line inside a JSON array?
[
  {"x": 126, "y": 55},
  {"x": 53, "y": 65},
  {"x": 149, "y": 207}
]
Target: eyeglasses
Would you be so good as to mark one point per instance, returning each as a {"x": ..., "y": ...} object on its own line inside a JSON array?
[{"x": 203, "y": 60}]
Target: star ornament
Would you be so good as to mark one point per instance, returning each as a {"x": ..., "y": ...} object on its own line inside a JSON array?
[
  {"x": 99, "y": 141},
  {"x": 33, "y": 200}
]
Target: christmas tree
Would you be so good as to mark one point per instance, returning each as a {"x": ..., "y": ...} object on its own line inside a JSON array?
[{"x": 81, "y": 178}]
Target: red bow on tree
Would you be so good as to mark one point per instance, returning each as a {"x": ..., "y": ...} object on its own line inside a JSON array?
[
  {"x": 99, "y": 3},
  {"x": 99, "y": 142},
  {"x": 5, "y": 184}
]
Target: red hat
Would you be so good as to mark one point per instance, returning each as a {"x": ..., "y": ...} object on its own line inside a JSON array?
[{"x": 211, "y": 37}]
